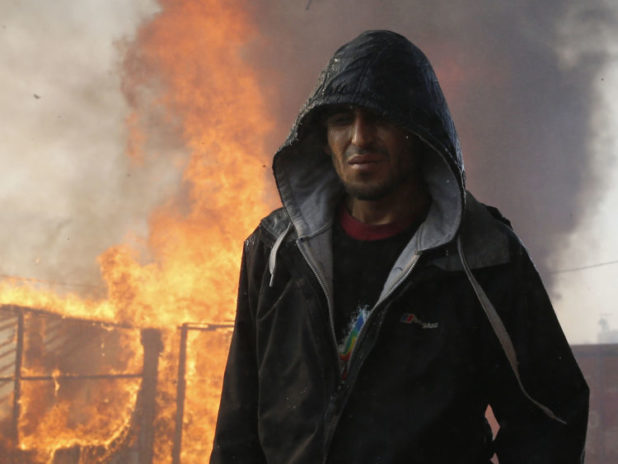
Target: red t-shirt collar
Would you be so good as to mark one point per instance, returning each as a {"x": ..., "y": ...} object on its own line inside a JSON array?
[{"x": 360, "y": 231}]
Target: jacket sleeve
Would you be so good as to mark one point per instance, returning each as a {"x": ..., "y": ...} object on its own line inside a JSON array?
[
  {"x": 236, "y": 435},
  {"x": 548, "y": 371}
]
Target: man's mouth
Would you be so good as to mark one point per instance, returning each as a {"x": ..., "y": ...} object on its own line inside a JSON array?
[{"x": 365, "y": 159}]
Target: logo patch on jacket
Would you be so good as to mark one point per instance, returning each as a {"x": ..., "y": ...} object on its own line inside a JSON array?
[{"x": 410, "y": 318}]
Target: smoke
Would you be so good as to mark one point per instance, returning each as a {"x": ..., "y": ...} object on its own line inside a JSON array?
[{"x": 68, "y": 191}]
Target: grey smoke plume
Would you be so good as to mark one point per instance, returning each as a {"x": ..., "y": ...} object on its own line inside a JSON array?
[{"x": 68, "y": 191}]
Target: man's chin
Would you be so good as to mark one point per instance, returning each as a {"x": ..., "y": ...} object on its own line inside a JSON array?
[{"x": 368, "y": 192}]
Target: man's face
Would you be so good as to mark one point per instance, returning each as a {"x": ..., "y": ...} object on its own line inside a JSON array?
[{"x": 372, "y": 156}]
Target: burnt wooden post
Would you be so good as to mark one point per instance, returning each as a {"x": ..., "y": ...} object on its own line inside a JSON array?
[
  {"x": 180, "y": 394},
  {"x": 151, "y": 341},
  {"x": 19, "y": 353}
]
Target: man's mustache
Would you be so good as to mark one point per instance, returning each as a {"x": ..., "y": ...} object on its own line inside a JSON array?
[{"x": 370, "y": 150}]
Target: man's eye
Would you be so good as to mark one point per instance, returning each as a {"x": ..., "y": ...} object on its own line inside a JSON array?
[{"x": 340, "y": 119}]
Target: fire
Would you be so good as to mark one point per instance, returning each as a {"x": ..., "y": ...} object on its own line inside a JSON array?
[{"x": 186, "y": 64}]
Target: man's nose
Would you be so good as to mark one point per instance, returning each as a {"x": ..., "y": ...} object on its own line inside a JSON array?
[{"x": 363, "y": 129}]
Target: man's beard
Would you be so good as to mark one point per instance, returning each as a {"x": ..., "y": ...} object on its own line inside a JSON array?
[
  {"x": 370, "y": 192},
  {"x": 380, "y": 190}
]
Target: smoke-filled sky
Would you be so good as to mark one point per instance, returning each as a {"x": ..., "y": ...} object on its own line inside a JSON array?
[{"x": 532, "y": 87}]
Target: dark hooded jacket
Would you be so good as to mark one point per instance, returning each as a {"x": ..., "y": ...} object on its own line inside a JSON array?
[{"x": 414, "y": 393}]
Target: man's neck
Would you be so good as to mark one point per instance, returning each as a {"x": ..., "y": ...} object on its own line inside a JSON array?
[{"x": 402, "y": 206}]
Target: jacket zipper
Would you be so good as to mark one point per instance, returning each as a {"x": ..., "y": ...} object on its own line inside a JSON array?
[
  {"x": 313, "y": 268},
  {"x": 345, "y": 387}
]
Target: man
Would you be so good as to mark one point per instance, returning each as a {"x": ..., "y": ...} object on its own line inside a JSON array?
[{"x": 382, "y": 309}]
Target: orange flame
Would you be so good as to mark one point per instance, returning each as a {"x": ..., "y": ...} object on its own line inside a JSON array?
[{"x": 186, "y": 65}]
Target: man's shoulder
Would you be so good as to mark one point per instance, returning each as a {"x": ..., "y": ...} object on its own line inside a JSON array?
[
  {"x": 487, "y": 234},
  {"x": 487, "y": 238},
  {"x": 276, "y": 223},
  {"x": 270, "y": 227},
  {"x": 480, "y": 219}
]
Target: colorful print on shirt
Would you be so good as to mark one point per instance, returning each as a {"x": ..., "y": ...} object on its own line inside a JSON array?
[{"x": 345, "y": 349}]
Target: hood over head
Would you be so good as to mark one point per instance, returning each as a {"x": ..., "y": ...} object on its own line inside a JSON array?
[{"x": 382, "y": 71}]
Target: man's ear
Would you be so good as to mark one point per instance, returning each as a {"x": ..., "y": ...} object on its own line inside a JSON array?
[{"x": 327, "y": 149}]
